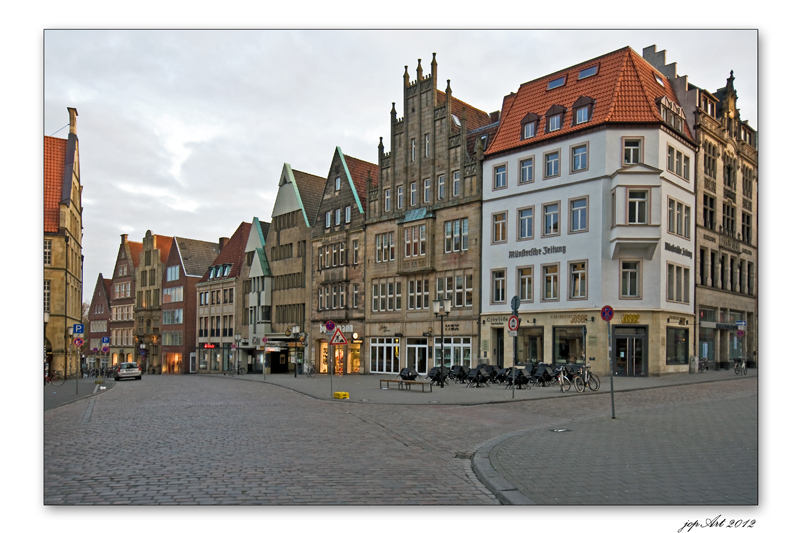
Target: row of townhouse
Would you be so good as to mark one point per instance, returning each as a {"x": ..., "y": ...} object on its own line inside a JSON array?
[{"x": 593, "y": 186}]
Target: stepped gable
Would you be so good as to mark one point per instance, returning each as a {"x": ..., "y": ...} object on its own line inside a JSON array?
[{"x": 625, "y": 90}]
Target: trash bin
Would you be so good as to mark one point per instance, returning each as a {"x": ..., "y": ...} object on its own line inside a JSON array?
[{"x": 693, "y": 364}]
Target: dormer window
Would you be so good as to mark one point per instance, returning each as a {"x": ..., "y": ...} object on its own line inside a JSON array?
[
  {"x": 582, "y": 110},
  {"x": 529, "y": 125},
  {"x": 671, "y": 113},
  {"x": 658, "y": 80},
  {"x": 226, "y": 270},
  {"x": 555, "y": 118},
  {"x": 218, "y": 272},
  {"x": 558, "y": 82},
  {"x": 211, "y": 273}
]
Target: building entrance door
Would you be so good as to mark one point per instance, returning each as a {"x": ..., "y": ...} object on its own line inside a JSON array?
[
  {"x": 630, "y": 351},
  {"x": 417, "y": 355}
]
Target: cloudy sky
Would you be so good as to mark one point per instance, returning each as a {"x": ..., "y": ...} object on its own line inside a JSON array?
[{"x": 185, "y": 132}]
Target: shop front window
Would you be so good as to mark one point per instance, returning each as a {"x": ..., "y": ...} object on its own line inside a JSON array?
[
  {"x": 385, "y": 355},
  {"x": 530, "y": 342},
  {"x": 568, "y": 345},
  {"x": 707, "y": 335},
  {"x": 735, "y": 344},
  {"x": 323, "y": 358},
  {"x": 355, "y": 359},
  {"x": 203, "y": 364},
  {"x": 677, "y": 346}
]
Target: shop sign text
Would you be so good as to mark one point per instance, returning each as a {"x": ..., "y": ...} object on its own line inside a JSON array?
[
  {"x": 677, "y": 250},
  {"x": 512, "y": 254}
]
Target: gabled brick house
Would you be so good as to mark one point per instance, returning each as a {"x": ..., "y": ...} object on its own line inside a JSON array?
[
  {"x": 98, "y": 327},
  {"x": 122, "y": 301},
  {"x": 186, "y": 264}
]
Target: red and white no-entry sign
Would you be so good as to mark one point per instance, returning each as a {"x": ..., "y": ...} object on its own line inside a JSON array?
[{"x": 513, "y": 323}]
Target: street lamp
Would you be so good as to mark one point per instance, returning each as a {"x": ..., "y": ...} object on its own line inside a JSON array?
[
  {"x": 238, "y": 339},
  {"x": 440, "y": 314},
  {"x": 46, "y": 320},
  {"x": 296, "y": 335}
]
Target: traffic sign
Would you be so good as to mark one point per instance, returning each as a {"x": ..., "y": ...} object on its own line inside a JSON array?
[
  {"x": 607, "y": 313},
  {"x": 515, "y": 304},
  {"x": 741, "y": 322},
  {"x": 740, "y": 333},
  {"x": 105, "y": 348},
  {"x": 338, "y": 338},
  {"x": 513, "y": 323},
  {"x": 330, "y": 325},
  {"x": 77, "y": 329},
  {"x": 78, "y": 342},
  {"x": 106, "y": 340}
]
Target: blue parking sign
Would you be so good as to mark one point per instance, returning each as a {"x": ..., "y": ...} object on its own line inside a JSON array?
[
  {"x": 106, "y": 340},
  {"x": 77, "y": 329}
]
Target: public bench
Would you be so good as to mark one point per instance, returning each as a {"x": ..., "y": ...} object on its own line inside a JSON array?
[{"x": 403, "y": 384}]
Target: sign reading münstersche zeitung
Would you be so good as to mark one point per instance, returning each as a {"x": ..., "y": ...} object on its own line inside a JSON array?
[{"x": 537, "y": 251}]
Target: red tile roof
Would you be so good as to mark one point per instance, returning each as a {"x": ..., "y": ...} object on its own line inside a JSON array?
[
  {"x": 358, "y": 171},
  {"x": 55, "y": 153},
  {"x": 624, "y": 89},
  {"x": 135, "y": 248},
  {"x": 164, "y": 244},
  {"x": 475, "y": 117},
  {"x": 233, "y": 252}
]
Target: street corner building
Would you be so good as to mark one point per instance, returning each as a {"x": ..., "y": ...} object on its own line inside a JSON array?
[
  {"x": 591, "y": 200},
  {"x": 63, "y": 252}
]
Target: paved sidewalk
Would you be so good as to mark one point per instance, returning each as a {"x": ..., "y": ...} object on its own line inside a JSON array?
[
  {"x": 366, "y": 387},
  {"x": 56, "y": 396}
]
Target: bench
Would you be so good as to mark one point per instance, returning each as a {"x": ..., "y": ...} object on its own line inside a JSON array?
[{"x": 403, "y": 384}]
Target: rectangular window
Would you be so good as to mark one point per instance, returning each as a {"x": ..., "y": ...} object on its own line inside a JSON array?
[
  {"x": 498, "y": 286},
  {"x": 582, "y": 115},
  {"x": 355, "y": 296},
  {"x": 729, "y": 219},
  {"x": 679, "y": 216},
  {"x": 456, "y": 183},
  {"x": 678, "y": 284},
  {"x": 550, "y": 225},
  {"x": 578, "y": 215},
  {"x": 550, "y": 289},
  {"x": 448, "y": 237},
  {"x": 400, "y": 197},
  {"x": 580, "y": 158},
  {"x": 338, "y": 183},
  {"x": 426, "y": 190},
  {"x": 670, "y": 158},
  {"x": 412, "y": 194},
  {"x": 526, "y": 171},
  {"x": 500, "y": 180},
  {"x": 577, "y": 280},
  {"x": 427, "y": 145},
  {"x": 677, "y": 346},
  {"x": 47, "y": 296},
  {"x": 637, "y": 207},
  {"x": 629, "y": 279},
  {"x": 525, "y": 276},
  {"x": 529, "y": 130},
  {"x": 499, "y": 231},
  {"x": 341, "y": 256},
  {"x": 413, "y": 149},
  {"x": 347, "y": 215},
  {"x": 632, "y": 151},
  {"x": 551, "y": 165},
  {"x": 328, "y": 219},
  {"x": 525, "y": 228},
  {"x": 338, "y": 217},
  {"x": 387, "y": 200},
  {"x": 554, "y": 123},
  {"x": 747, "y": 228},
  {"x": 355, "y": 252},
  {"x": 709, "y": 211},
  {"x": 48, "y": 252},
  {"x": 441, "y": 187}
]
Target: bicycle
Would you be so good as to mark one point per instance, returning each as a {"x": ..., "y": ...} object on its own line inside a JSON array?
[
  {"x": 564, "y": 381},
  {"x": 235, "y": 371},
  {"x": 740, "y": 366},
  {"x": 702, "y": 366},
  {"x": 589, "y": 379},
  {"x": 56, "y": 380},
  {"x": 310, "y": 371}
]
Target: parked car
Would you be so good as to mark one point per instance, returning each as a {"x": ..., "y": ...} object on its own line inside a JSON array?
[{"x": 127, "y": 370}]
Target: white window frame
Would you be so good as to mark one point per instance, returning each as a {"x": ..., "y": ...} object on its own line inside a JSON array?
[
  {"x": 526, "y": 167},
  {"x": 579, "y": 275},
  {"x": 579, "y": 159},
  {"x": 625, "y": 276},
  {"x": 552, "y": 164},
  {"x": 499, "y": 224},
  {"x": 634, "y": 205},
  {"x": 529, "y": 234},
  {"x": 500, "y": 177},
  {"x": 456, "y": 183},
  {"x": 551, "y": 219},
  {"x": 498, "y": 287},
  {"x": 585, "y": 216},
  {"x": 550, "y": 282}
]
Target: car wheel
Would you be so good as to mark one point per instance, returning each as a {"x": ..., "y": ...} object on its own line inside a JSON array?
[
  {"x": 116, "y": 379},
  {"x": 138, "y": 377}
]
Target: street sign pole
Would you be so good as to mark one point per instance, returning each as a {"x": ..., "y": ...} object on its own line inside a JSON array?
[
  {"x": 515, "y": 320},
  {"x": 607, "y": 313}
]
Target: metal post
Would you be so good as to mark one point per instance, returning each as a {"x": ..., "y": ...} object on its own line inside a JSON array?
[
  {"x": 441, "y": 353},
  {"x": 513, "y": 368},
  {"x": 611, "y": 373}
]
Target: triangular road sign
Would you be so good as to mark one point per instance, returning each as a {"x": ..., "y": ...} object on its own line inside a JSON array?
[{"x": 338, "y": 338}]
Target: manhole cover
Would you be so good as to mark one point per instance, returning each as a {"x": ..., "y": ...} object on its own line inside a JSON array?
[
  {"x": 464, "y": 455},
  {"x": 562, "y": 430}
]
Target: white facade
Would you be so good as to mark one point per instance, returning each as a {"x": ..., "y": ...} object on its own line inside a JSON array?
[{"x": 615, "y": 255}]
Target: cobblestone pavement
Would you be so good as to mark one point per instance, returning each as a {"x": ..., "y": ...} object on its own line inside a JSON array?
[{"x": 200, "y": 440}]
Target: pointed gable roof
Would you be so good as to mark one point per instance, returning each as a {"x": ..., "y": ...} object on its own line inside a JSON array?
[
  {"x": 624, "y": 89},
  {"x": 309, "y": 189},
  {"x": 357, "y": 172},
  {"x": 134, "y": 248},
  {"x": 55, "y": 154},
  {"x": 232, "y": 253},
  {"x": 195, "y": 255}
]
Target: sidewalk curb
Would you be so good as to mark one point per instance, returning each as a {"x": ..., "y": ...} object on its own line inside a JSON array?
[{"x": 491, "y": 478}]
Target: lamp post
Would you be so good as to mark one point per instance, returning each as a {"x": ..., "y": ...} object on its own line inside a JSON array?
[
  {"x": 440, "y": 313},
  {"x": 296, "y": 335},
  {"x": 46, "y": 320},
  {"x": 238, "y": 339}
]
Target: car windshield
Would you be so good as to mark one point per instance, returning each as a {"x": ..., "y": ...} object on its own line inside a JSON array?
[{"x": 128, "y": 365}]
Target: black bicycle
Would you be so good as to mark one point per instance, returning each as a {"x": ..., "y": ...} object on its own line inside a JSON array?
[
  {"x": 740, "y": 366},
  {"x": 235, "y": 371}
]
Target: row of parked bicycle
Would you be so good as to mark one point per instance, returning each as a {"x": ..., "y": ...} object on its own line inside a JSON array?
[{"x": 532, "y": 375}]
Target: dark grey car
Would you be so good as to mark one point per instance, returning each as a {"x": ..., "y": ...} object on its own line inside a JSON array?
[{"x": 127, "y": 370}]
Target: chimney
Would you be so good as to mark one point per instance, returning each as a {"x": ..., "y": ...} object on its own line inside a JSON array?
[
  {"x": 222, "y": 242},
  {"x": 124, "y": 238},
  {"x": 494, "y": 116},
  {"x": 73, "y": 124}
]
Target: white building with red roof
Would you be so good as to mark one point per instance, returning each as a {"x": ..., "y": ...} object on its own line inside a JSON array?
[{"x": 587, "y": 202}]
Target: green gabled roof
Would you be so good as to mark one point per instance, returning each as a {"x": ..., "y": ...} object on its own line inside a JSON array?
[{"x": 262, "y": 257}]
